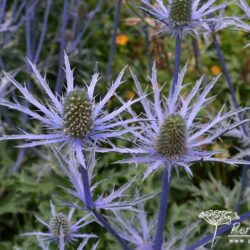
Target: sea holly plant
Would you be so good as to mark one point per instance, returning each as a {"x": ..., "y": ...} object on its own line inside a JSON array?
[
  {"x": 62, "y": 230},
  {"x": 179, "y": 18},
  {"x": 175, "y": 136},
  {"x": 166, "y": 132},
  {"x": 76, "y": 120},
  {"x": 238, "y": 23},
  {"x": 169, "y": 135},
  {"x": 182, "y": 17},
  {"x": 174, "y": 133}
]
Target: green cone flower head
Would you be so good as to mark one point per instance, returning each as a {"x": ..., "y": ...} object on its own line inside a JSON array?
[
  {"x": 181, "y": 12},
  {"x": 61, "y": 229},
  {"x": 59, "y": 224},
  {"x": 171, "y": 141},
  {"x": 77, "y": 115},
  {"x": 179, "y": 17},
  {"x": 174, "y": 135},
  {"x": 76, "y": 120}
]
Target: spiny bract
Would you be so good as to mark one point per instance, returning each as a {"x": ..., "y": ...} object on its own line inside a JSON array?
[
  {"x": 171, "y": 141},
  {"x": 59, "y": 224},
  {"x": 77, "y": 116},
  {"x": 181, "y": 12}
]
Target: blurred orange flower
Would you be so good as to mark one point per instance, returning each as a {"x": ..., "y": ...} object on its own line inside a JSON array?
[
  {"x": 216, "y": 70},
  {"x": 130, "y": 94},
  {"x": 122, "y": 40}
]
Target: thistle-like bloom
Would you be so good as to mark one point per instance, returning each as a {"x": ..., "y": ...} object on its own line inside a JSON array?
[
  {"x": 183, "y": 16},
  {"x": 77, "y": 118},
  {"x": 176, "y": 134},
  {"x": 61, "y": 229}
]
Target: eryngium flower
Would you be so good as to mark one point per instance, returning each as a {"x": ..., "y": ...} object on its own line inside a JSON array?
[
  {"x": 77, "y": 118},
  {"x": 183, "y": 16},
  {"x": 61, "y": 229},
  {"x": 175, "y": 133}
]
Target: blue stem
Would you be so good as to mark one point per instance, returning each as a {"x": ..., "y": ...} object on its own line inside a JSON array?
[
  {"x": 228, "y": 78},
  {"x": 82, "y": 32},
  {"x": 59, "y": 79},
  {"x": 197, "y": 54},
  {"x": 91, "y": 207},
  {"x": 86, "y": 187},
  {"x": 108, "y": 227},
  {"x": 244, "y": 184},
  {"x": 2, "y": 10},
  {"x": 113, "y": 42},
  {"x": 163, "y": 208},
  {"x": 177, "y": 60},
  {"x": 43, "y": 32},
  {"x": 21, "y": 152},
  {"x": 28, "y": 34},
  {"x": 95, "y": 27},
  {"x": 220, "y": 231},
  {"x": 147, "y": 40}
]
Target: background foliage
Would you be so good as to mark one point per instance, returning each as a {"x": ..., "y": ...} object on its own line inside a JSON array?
[{"x": 27, "y": 191}]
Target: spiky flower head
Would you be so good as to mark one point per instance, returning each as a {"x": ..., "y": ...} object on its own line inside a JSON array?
[
  {"x": 77, "y": 114},
  {"x": 181, "y": 12},
  {"x": 171, "y": 140},
  {"x": 183, "y": 16},
  {"x": 77, "y": 119},
  {"x": 59, "y": 225},
  {"x": 174, "y": 134},
  {"x": 61, "y": 229}
]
